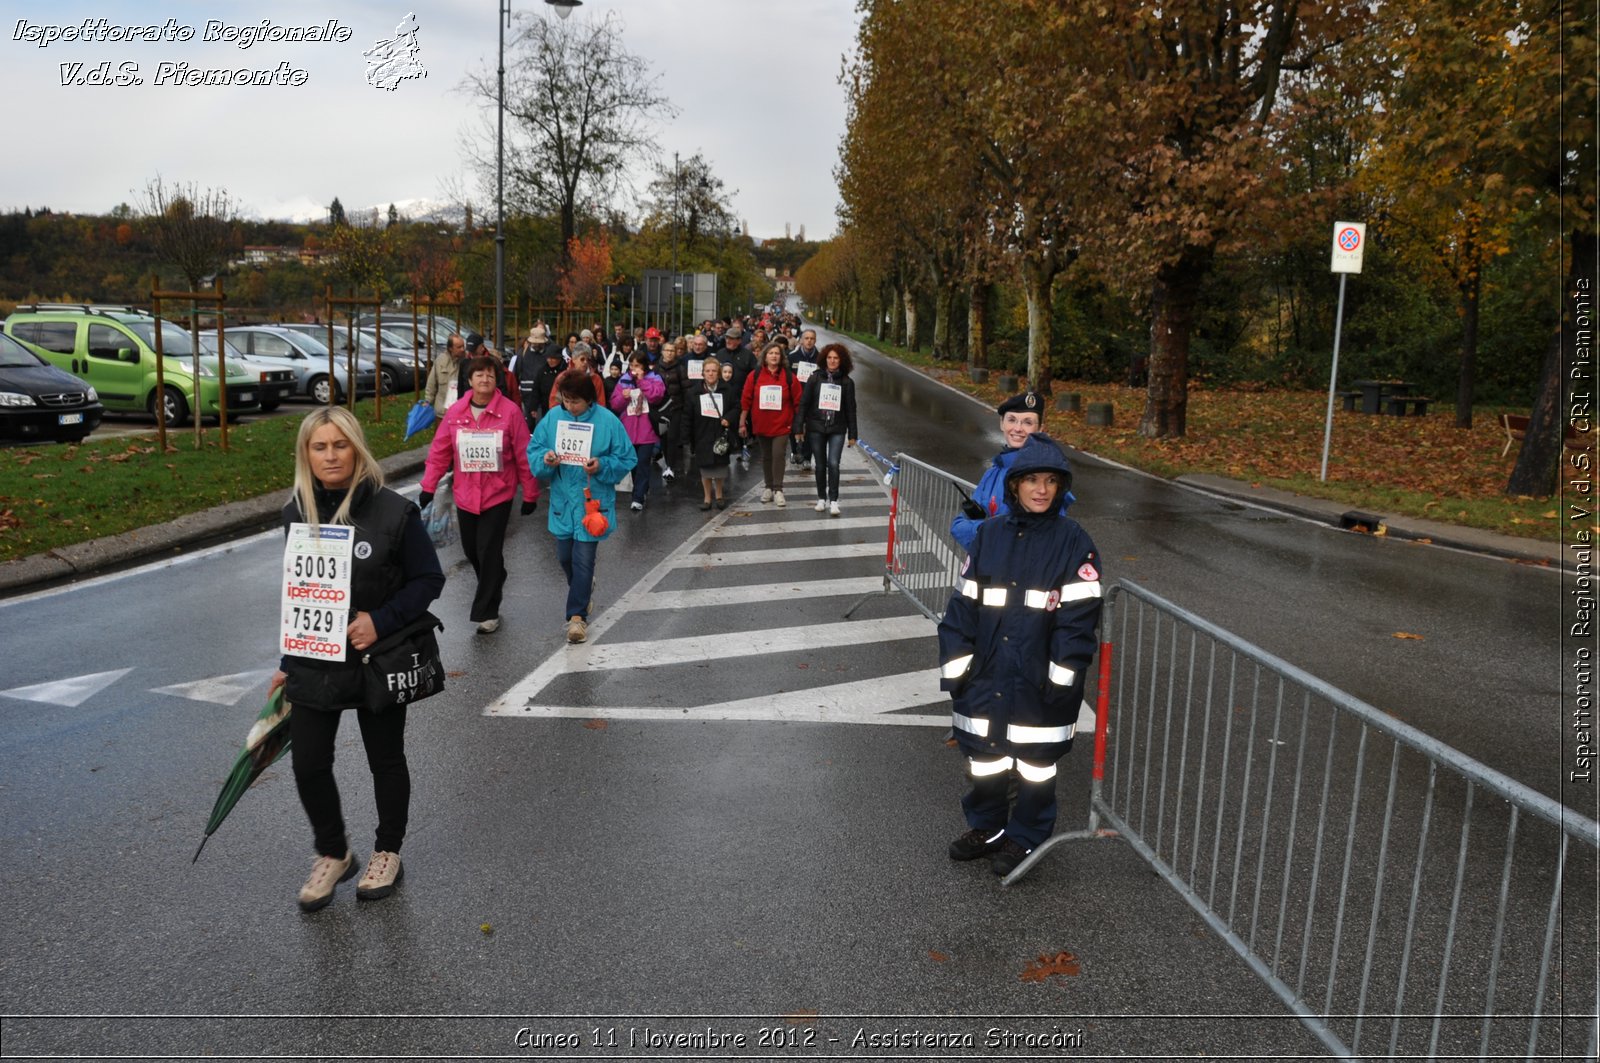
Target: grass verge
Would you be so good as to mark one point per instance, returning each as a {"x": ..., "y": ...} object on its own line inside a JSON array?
[
  {"x": 55, "y": 496},
  {"x": 1415, "y": 466}
]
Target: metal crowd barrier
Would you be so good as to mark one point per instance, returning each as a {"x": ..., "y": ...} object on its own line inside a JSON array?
[
  {"x": 1400, "y": 897},
  {"x": 922, "y": 561}
]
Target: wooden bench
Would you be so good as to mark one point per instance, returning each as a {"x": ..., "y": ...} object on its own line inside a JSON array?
[
  {"x": 1397, "y": 404},
  {"x": 1516, "y": 426}
]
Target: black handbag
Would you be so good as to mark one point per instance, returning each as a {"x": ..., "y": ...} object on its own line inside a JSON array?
[{"x": 403, "y": 666}]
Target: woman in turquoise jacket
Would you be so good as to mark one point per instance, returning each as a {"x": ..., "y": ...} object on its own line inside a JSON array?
[{"x": 581, "y": 463}]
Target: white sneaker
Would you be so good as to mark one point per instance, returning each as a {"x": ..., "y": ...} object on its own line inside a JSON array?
[
  {"x": 383, "y": 873},
  {"x": 777, "y": 499},
  {"x": 326, "y": 873},
  {"x": 489, "y": 627},
  {"x": 636, "y": 506},
  {"x": 667, "y": 475},
  {"x": 833, "y": 509},
  {"x": 821, "y": 506},
  {"x": 766, "y": 495}
]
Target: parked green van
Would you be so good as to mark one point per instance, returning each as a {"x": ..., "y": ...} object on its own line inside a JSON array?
[{"x": 113, "y": 350}]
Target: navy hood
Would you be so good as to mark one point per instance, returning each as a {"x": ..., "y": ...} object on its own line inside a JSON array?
[{"x": 1039, "y": 453}]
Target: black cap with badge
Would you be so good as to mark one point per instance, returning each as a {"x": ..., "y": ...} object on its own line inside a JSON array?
[
  {"x": 1027, "y": 402},
  {"x": 474, "y": 341}
]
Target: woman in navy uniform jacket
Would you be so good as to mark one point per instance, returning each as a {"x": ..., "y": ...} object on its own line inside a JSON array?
[{"x": 1015, "y": 647}]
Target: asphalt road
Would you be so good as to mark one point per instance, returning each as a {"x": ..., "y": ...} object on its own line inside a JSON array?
[{"x": 671, "y": 830}]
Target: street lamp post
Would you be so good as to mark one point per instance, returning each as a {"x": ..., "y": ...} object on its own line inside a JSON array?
[
  {"x": 563, "y": 10},
  {"x": 675, "y": 299},
  {"x": 500, "y": 187}
]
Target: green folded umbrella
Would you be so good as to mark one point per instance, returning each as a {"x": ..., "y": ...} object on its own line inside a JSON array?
[{"x": 267, "y": 741}]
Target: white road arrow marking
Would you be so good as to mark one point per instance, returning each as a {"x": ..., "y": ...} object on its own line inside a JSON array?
[
  {"x": 69, "y": 692},
  {"x": 222, "y": 689}
]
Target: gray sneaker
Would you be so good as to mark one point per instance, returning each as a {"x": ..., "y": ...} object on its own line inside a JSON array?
[
  {"x": 383, "y": 874},
  {"x": 326, "y": 873}
]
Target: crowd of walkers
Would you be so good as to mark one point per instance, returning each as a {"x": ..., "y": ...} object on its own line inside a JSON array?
[{"x": 639, "y": 406}]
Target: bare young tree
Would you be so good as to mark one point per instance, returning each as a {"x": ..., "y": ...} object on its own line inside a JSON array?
[
  {"x": 192, "y": 227},
  {"x": 702, "y": 204},
  {"x": 576, "y": 105}
]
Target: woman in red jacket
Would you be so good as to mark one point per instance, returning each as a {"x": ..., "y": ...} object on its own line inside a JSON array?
[
  {"x": 771, "y": 400},
  {"x": 483, "y": 437}
]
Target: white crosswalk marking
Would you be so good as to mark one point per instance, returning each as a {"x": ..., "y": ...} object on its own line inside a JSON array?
[
  {"x": 836, "y": 703},
  {"x": 598, "y": 657},
  {"x": 784, "y": 556},
  {"x": 69, "y": 692},
  {"x": 883, "y": 700},
  {"x": 760, "y": 592},
  {"x": 800, "y": 527},
  {"x": 222, "y": 689}
]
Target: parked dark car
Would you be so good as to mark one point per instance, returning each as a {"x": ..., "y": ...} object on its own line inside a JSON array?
[{"x": 40, "y": 403}]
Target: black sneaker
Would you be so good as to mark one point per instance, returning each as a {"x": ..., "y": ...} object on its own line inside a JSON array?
[
  {"x": 1010, "y": 855},
  {"x": 975, "y": 843}
]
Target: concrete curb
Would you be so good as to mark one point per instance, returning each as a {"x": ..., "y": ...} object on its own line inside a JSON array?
[
  {"x": 1414, "y": 529},
  {"x": 171, "y": 537}
]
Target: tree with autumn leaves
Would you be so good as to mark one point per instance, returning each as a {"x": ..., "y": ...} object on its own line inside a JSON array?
[
  {"x": 1136, "y": 145},
  {"x": 1134, "y": 139}
]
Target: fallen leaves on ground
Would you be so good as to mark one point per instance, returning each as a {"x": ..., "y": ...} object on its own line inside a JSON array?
[
  {"x": 937, "y": 957},
  {"x": 1042, "y": 968},
  {"x": 1266, "y": 436},
  {"x": 1407, "y": 635},
  {"x": 596, "y": 725}
]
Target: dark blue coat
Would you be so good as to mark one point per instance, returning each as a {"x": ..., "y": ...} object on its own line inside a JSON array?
[{"x": 1018, "y": 636}]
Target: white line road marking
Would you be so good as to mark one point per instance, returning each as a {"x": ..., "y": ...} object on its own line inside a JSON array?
[
  {"x": 838, "y": 703},
  {"x": 803, "y": 526},
  {"x": 759, "y": 592},
  {"x": 792, "y": 554},
  {"x": 222, "y": 689},
  {"x": 69, "y": 692},
  {"x": 604, "y": 656}
]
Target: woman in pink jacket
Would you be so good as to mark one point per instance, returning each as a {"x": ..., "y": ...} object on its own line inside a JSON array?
[
  {"x": 484, "y": 438},
  {"x": 640, "y": 391}
]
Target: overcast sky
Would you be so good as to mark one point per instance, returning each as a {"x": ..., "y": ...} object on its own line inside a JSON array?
[{"x": 755, "y": 83}]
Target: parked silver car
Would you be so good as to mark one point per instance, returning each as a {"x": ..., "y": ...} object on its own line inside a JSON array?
[
  {"x": 396, "y": 364},
  {"x": 306, "y": 357},
  {"x": 277, "y": 381},
  {"x": 400, "y": 325}
]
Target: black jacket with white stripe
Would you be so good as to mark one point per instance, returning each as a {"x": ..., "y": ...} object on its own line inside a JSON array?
[{"x": 1018, "y": 636}]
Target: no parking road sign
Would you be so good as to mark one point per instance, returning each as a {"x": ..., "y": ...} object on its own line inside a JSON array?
[{"x": 1349, "y": 241}]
